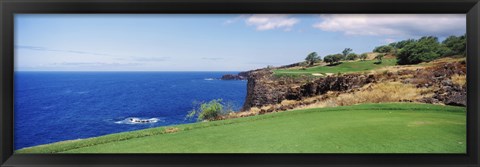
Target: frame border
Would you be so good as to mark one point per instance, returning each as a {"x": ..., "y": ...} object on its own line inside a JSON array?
[{"x": 10, "y": 7}]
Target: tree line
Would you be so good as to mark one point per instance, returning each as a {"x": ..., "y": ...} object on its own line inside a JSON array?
[
  {"x": 425, "y": 49},
  {"x": 347, "y": 54},
  {"x": 410, "y": 51}
]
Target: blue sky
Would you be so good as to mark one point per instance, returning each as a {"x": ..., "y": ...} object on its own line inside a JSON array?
[{"x": 94, "y": 42}]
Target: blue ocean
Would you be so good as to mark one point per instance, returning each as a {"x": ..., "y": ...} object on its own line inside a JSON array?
[{"x": 57, "y": 106}]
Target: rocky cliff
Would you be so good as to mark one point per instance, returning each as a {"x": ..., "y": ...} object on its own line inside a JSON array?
[
  {"x": 244, "y": 75},
  {"x": 265, "y": 89},
  {"x": 240, "y": 76}
]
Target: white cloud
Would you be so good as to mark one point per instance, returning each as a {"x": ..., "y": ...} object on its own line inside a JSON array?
[
  {"x": 234, "y": 20},
  {"x": 271, "y": 21},
  {"x": 389, "y": 40},
  {"x": 405, "y": 25}
]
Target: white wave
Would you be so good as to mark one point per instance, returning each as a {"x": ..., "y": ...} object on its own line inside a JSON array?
[
  {"x": 209, "y": 79},
  {"x": 134, "y": 120}
]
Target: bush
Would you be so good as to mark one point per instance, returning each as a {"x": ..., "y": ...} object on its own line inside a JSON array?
[
  {"x": 423, "y": 50},
  {"x": 379, "y": 58},
  {"x": 333, "y": 58},
  {"x": 352, "y": 56},
  {"x": 363, "y": 56},
  {"x": 210, "y": 111}
]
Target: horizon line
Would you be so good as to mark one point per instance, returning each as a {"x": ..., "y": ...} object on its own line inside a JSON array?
[{"x": 123, "y": 71}]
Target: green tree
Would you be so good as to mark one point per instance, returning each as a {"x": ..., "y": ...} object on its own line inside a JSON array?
[
  {"x": 384, "y": 49},
  {"x": 312, "y": 58},
  {"x": 456, "y": 45},
  {"x": 352, "y": 56},
  {"x": 423, "y": 50},
  {"x": 397, "y": 46},
  {"x": 363, "y": 56},
  {"x": 332, "y": 59},
  {"x": 337, "y": 57},
  {"x": 401, "y": 44},
  {"x": 345, "y": 52},
  {"x": 328, "y": 59}
]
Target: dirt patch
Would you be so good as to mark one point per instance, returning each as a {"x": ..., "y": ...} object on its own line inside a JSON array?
[
  {"x": 172, "y": 130},
  {"x": 419, "y": 123},
  {"x": 317, "y": 74}
]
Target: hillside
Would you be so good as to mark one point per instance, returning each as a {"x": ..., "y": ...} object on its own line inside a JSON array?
[
  {"x": 366, "y": 128},
  {"x": 442, "y": 81}
]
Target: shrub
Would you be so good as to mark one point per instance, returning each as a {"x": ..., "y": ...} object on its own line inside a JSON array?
[
  {"x": 352, "y": 56},
  {"x": 363, "y": 56},
  {"x": 303, "y": 63},
  {"x": 210, "y": 111},
  {"x": 332, "y": 58},
  {"x": 379, "y": 58}
]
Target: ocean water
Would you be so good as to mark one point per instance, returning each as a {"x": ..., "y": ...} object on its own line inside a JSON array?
[{"x": 57, "y": 106}]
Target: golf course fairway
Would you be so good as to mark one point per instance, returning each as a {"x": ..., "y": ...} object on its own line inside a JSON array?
[{"x": 364, "y": 128}]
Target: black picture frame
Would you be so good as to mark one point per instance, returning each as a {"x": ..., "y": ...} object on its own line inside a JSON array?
[{"x": 9, "y": 8}]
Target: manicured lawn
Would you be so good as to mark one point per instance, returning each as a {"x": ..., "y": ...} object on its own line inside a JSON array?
[
  {"x": 345, "y": 67},
  {"x": 366, "y": 128}
]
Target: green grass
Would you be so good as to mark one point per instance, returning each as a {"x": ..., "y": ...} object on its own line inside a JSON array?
[
  {"x": 366, "y": 128},
  {"x": 345, "y": 67}
]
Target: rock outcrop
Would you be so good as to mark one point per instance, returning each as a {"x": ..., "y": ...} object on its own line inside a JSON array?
[
  {"x": 264, "y": 89},
  {"x": 233, "y": 77},
  {"x": 244, "y": 75},
  {"x": 448, "y": 92},
  {"x": 239, "y": 76}
]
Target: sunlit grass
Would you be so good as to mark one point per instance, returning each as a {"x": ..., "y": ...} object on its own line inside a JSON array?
[{"x": 365, "y": 128}]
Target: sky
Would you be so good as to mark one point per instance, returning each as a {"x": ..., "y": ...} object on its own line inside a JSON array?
[{"x": 208, "y": 42}]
